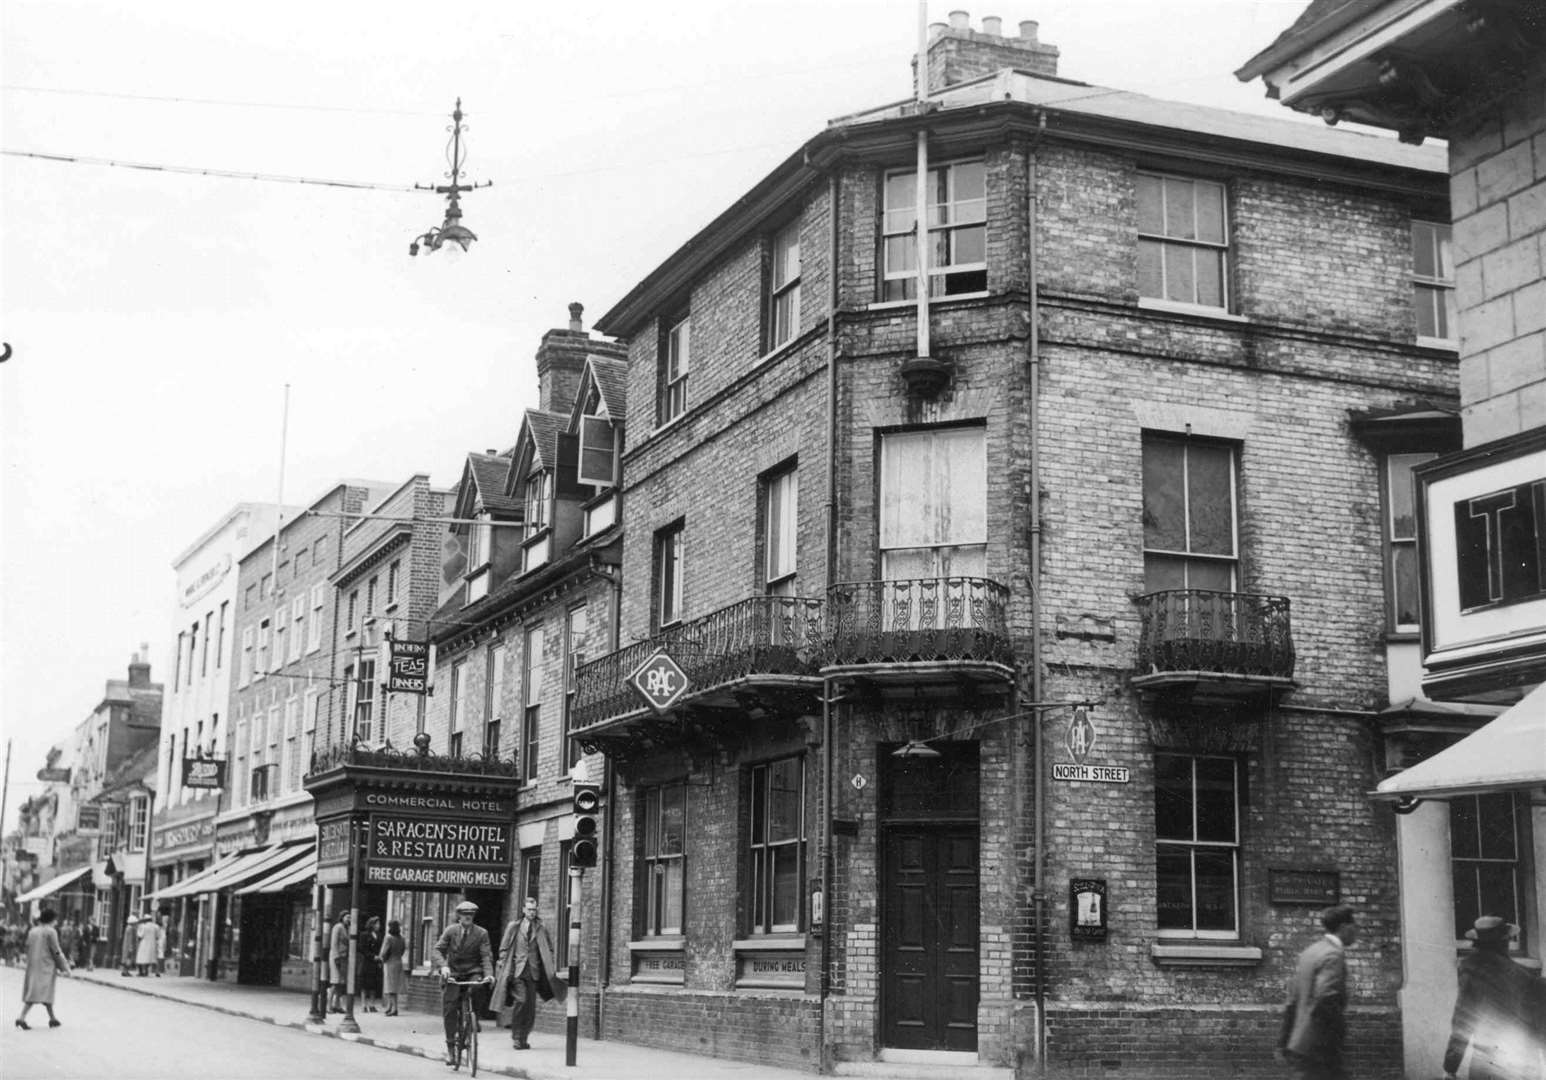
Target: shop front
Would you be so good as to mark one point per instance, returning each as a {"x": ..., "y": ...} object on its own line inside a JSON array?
[
  {"x": 408, "y": 835},
  {"x": 182, "y": 846}
]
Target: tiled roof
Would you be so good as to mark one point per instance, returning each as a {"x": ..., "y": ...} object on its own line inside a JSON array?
[
  {"x": 612, "y": 381},
  {"x": 488, "y": 473},
  {"x": 545, "y": 427}
]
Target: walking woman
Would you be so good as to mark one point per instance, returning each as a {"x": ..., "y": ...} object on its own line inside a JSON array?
[
  {"x": 45, "y": 961},
  {"x": 392, "y": 948}
]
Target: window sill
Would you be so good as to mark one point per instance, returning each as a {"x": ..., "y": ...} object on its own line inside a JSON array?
[
  {"x": 1403, "y": 636},
  {"x": 790, "y": 942},
  {"x": 1195, "y": 954},
  {"x": 658, "y": 944},
  {"x": 1149, "y": 303},
  {"x": 669, "y": 424},
  {"x": 898, "y": 305},
  {"x": 1447, "y": 344},
  {"x": 659, "y": 961}
]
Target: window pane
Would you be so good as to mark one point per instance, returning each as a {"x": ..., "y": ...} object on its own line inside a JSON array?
[
  {"x": 1151, "y": 270},
  {"x": 671, "y": 900},
  {"x": 1173, "y": 874},
  {"x": 786, "y": 885},
  {"x": 1403, "y": 512},
  {"x": 1216, "y": 800},
  {"x": 899, "y": 201},
  {"x": 1424, "y": 255},
  {"x": 1463, "y": 840},
  {"x": 1404, "y": 573},
  {"x": 759, "y": 806},
  {"x": 1496, "y": 820},
  {"x": 1180, "y": 215},
  {"x": 1215, "y": 890},
  {"x": 1180, "y": 281},
  {"x": 1211, "y": 495},
  {"x": 970, "y": 246},
  {"x": 1208, "y": 574},
  {"x": 1160, "y": 573},
  {"x": 1210, "y": 277},
  {"x": 1425, "y": 301},
  {"x": 1164, "y": 499},
  {"x": 1151, "y": 214},
  {"x": 784, "y": 800},
  {"x": 1173, "y": 797},
  {"x": 1210, "y": 212},
  {"x": 967, "y": 560},
  {"x": 904, "y": 564},
  {"x": 673, "y": 820},
  {"x": 899, "y": 254},
  {"x": 970, "y": 180}
]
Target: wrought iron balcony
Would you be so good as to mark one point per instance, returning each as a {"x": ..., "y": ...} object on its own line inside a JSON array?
[
  {"x": 1190, "y": 637},
  {"x": 898, "y": 630},
  {"x": 768, "y": 640}
]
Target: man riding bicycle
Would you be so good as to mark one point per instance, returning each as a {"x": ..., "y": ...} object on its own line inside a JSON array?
[{"x": 465, "y": 955}]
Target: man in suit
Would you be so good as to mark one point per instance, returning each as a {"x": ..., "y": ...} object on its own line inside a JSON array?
[
  {"x": 1500, "y": 1011},
  {"x": 527, "y": 970},
  {"x": 1314, "y": 1027},
  {"x": 465, "y": 955}
]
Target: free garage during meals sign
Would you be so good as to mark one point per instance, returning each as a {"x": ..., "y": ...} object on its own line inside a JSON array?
[{"x": 438, "y": 853}]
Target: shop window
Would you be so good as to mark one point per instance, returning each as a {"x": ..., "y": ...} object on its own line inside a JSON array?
[
  {"x": 776, "y": 846},
  {"x": 664, "y": 863}
]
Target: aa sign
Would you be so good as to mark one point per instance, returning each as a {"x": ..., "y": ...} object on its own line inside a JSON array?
[
  {"x": 659, "y": 681},
  {"x": 1081, "y": 736}
]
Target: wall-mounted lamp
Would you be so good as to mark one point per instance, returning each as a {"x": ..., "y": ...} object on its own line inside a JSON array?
[{"x": 915, "y": 748}]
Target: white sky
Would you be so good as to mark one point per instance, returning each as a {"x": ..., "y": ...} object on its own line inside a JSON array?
[{"x": 157, "y": 317}]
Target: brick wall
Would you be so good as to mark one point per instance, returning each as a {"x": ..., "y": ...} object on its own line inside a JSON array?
[{"x": 1498, "y": 194}]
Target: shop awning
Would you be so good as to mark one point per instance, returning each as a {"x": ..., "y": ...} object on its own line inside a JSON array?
[
  {"x": 295, "y": 873},
  {"x": 1508, "y": 752},
  {"x": 131, "y": 864},
  {"x": 193, "y": 883},
  {"x": 53, "y": 885},
  {"x": 255, "y": 864}
]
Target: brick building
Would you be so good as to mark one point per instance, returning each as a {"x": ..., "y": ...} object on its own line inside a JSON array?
[
  {"x": 258, "y": 896},
  {"x": 533, "y": 592},
  {"x": 192, "y": 728},
  {"x": 1023, "y": 641},
  {"x": 1472, "y": 832}
]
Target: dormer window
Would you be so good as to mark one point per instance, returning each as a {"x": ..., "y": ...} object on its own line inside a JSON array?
[
  {"x": 539, "y": 499},
  {"x": 598, "y": 451},
  {"x": 479, "y": 554}
]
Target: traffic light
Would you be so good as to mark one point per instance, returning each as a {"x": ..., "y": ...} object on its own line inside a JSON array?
[{"x": 586, "y": 846}]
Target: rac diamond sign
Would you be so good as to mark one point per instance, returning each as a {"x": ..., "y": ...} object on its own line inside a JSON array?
[{"x": 659, "y": 681}]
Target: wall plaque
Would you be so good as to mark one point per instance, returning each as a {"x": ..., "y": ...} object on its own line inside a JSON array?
[{"x": 1312, "y": 888}]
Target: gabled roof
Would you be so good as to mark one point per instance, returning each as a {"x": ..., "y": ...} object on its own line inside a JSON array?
[
  {"x": 535, "y": 448},
  {"x": 483, "y": 486},
  {"x": 610, "y": 378}
]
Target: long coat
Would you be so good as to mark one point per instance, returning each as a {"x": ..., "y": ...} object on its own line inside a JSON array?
[
  {"x": 148, "y": 944},
  {"x": 1314, "y": 1021},
  {"x": 1500, "y": 1015},
  {"x": 45, "y": 959},
  {"x": 550, "y": 986},
  {"x": 392, "y": 949}
]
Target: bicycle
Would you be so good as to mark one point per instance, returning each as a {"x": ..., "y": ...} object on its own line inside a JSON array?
[{"x": 466, "y": 1027}]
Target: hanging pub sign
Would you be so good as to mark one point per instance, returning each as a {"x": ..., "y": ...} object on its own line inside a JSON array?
[
  {"x": 408, "y": 666},
  {"x": 88, "y": 818},
  {"x": 1087, "y": 909},
  {"x": 203, "y": 773}
]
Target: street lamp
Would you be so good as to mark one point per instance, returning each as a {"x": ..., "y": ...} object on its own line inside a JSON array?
[{"x": 451, "y": 231}]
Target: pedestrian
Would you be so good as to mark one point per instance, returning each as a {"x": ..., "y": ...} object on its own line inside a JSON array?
[
  {"x": 1500, "y": 1012},
  {"x": 527, "y": 971},
  {"x": 370, "y": 964},
  {"x": 163, "y": 940},
  {"x": 70, "y": 940},
  {"x": 147, "y": 953},
  {"x": 45, "y": 961},
  {"x": 391, "y": 958},
  {"x": 465, "y": 956},
  {"x": 91, "y": 933},
  {"x": 338, "y": 963},
  {"x": 1314, "y": 1028},
  {"x": 130, "y": 948}
]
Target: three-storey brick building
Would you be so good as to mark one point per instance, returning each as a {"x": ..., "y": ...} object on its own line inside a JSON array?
[{"x": 1022, "y": 632}]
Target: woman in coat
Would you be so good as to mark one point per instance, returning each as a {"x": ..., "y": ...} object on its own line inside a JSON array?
[
  {"x": 392, "y": 948},
  {"x": 130, "y": 946},
  {"x": 370, "y": 963},
  {"x": 45, "y": 961},
  {"x": 148, "y": 946}
]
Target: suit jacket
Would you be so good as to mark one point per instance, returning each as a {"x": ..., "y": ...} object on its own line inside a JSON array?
[
  {"x": 1314, "y": 1021},
  {"x": 465, "y": 955},
  {"x": 549, "y": 985}
]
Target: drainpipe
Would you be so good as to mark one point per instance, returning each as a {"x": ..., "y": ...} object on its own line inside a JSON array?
[
  {"x": 828, "y": 764},
  {"x": 1039, "y": 890}
]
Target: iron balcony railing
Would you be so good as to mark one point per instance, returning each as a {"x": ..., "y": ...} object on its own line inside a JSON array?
[
  {"x": 764, "y": 635},
  {"x": 389, "y": 757},
  {"x": 1220, "y": 632},
  {"x": 918, "y": 620}
]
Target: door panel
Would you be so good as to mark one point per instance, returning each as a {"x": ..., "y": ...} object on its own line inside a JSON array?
[{"x": 929, "y": 966}]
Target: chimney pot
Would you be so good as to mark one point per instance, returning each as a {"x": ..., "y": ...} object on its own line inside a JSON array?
[
  {"x": 936, "y": 29},
  {"x": 491, "y": 452},
  {"x": 992, "y": 24},
  {"x": 1028, "y": 29},
  {"x": 960, "y": 20},
  {"x": 576, "y": 309}
]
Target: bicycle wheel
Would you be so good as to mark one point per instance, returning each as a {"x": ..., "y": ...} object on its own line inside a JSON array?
[
  {"x": 470, "y": 1022},
  {"x": 461, "y": 1040}
]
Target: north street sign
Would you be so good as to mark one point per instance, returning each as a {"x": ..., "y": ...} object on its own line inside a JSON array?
[{"x": 659, "y": 681}]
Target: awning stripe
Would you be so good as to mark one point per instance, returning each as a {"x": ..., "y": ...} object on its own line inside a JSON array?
[
  {"x": 194, "y": 883},
  {"x": 254, "y": 863},
  {"x": 53, "y": 884},
  {"x": 283, "y": 878}
]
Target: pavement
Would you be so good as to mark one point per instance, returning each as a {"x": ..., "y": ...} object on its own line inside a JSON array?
[{"x": 422, "y": 1035}]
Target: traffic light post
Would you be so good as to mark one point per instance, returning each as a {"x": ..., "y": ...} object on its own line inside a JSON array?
[{"x": 583, "y": 853}]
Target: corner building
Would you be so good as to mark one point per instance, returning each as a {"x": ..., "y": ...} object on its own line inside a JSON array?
[{"x": 1021, "y": 645}]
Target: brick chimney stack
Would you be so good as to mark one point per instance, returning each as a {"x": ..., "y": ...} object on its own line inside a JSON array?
[
  {"x": 958, "y": 54},
  {"x": 139, "y": 667},
  {"x": 561, "y": 360}
]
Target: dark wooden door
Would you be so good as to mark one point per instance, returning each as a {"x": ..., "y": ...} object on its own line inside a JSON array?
[{"x": 929, "y": 975}]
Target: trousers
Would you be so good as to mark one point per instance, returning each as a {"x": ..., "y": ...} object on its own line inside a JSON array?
[
  {"x": 523, "y": 1004},
  {"x": 450, "y": 1002}
]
